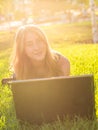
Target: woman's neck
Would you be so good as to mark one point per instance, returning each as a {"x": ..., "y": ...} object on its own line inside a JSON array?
[
  {"x": 40, "y": 69},
  {"x": 39, "y": 65}
]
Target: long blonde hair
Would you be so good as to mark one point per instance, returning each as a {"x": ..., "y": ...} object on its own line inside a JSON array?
[{"x": 21, "y": 64}]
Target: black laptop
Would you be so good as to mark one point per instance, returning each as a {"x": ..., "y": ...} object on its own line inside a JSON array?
[{"x": 46, "y": 100}]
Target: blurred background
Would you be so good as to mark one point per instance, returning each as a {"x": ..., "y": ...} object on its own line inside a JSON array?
[{"x": 14, "y": 13}]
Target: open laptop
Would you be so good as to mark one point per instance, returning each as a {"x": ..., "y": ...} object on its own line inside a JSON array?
[{"x": 46, "y": 100}]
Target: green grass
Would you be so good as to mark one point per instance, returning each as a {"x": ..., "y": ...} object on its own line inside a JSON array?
[
  {"x": 83, "y": 59},
  {"x": 69, "y": 33}
]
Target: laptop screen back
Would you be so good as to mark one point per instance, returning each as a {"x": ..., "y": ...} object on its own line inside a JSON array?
[{"x": 45, "y": 100}]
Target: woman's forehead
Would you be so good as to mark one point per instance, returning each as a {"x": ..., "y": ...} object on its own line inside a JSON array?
[{"x": 33, "y": 34}]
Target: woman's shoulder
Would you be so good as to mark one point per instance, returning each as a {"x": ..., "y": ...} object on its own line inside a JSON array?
[
  {"x": 61, "y": 57},
  {"x": 63, "y": 62}
]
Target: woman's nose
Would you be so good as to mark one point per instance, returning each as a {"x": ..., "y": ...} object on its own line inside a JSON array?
[{"x": 35, "y": 46}]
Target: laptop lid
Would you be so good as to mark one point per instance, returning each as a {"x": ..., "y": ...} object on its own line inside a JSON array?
[{"x": 46, "y": 100}]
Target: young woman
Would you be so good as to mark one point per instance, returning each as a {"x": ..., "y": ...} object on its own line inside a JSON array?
[{"x": 33, "y": 56}]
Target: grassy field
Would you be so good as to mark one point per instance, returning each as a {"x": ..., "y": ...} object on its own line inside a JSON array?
[{"x": 75, "y": 42}]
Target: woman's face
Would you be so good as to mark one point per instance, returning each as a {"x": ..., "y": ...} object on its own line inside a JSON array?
[{"x": 35, "y": 48}]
